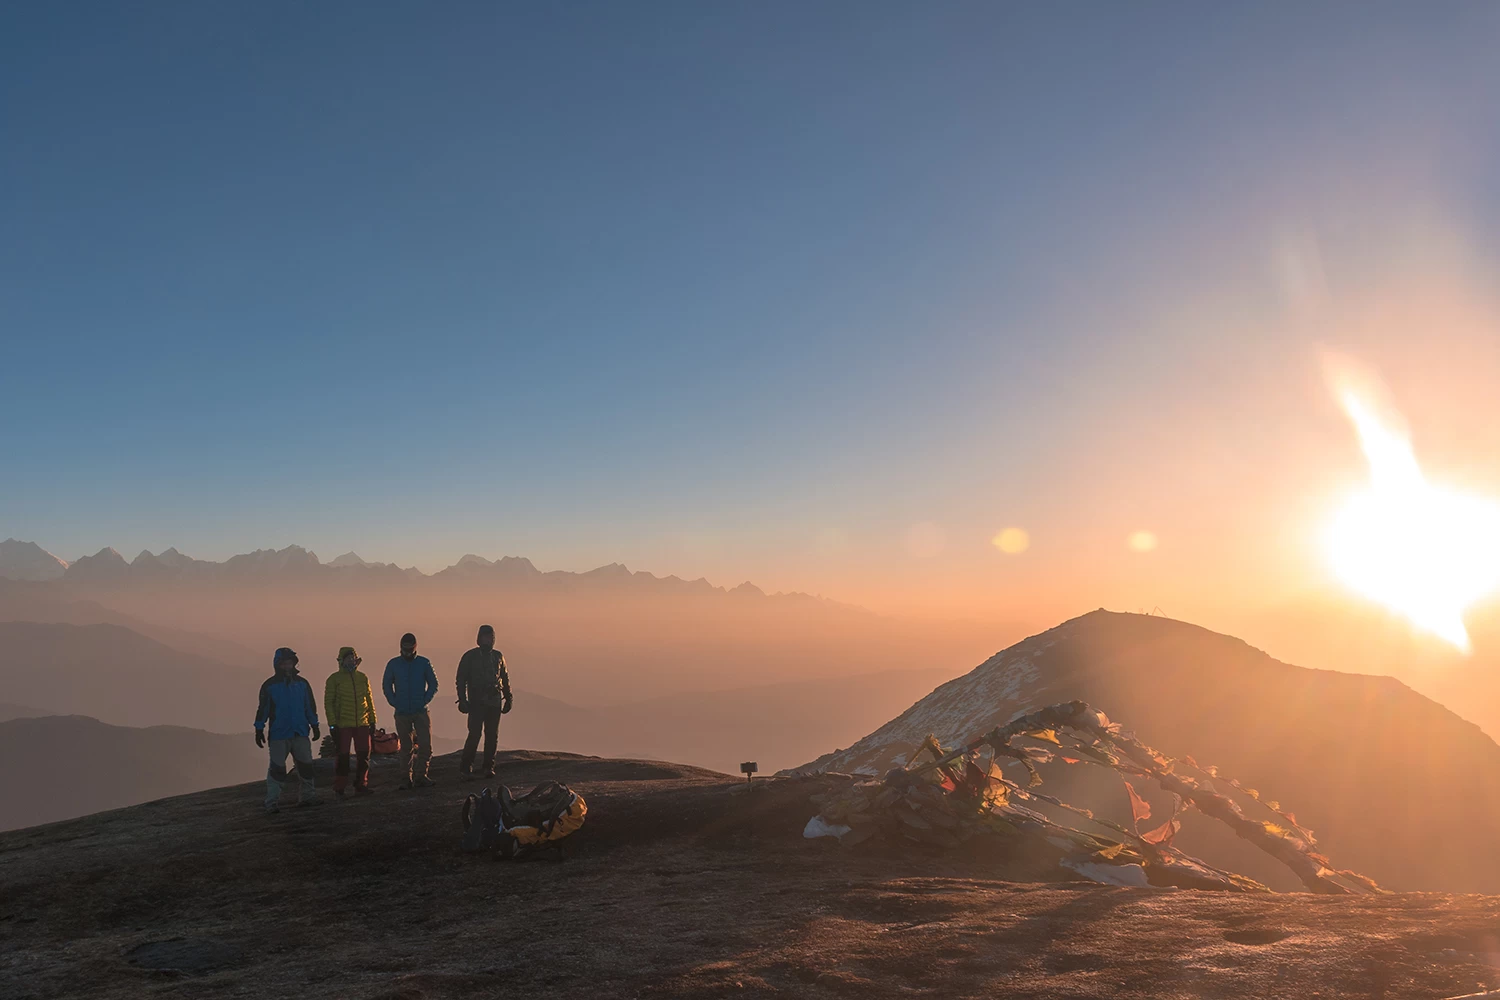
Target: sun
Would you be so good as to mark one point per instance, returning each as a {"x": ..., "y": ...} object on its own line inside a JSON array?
[{"x": 1424, "y": 551}]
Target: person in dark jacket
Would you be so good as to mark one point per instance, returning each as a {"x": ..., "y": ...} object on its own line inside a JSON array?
[
  {"x": 483, "y": 695},
  {"x": 287, "y": 705},
  {"x": 409, "y": 685}
]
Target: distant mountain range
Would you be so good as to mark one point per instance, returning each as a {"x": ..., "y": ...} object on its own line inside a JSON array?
[
  {"x": 1393, "y": 784},
  {"x": 29, "y": 561},
  {"x": 78, "y": 765},
  {"x": 107, "y": 567},
  {"x": 608, "y": 636}
]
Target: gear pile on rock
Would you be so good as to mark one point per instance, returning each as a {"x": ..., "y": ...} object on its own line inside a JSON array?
[
  {"x": 382, "y": 744},
  {"x": 959, "y": 796}
]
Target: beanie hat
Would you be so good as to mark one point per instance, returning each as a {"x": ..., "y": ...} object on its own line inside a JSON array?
[
  {"x": 486, "y": 628},
  {"x": 284, "y": 653},
  {"x": 346, "y": 651},
  {"x": 408, "y": 637}
]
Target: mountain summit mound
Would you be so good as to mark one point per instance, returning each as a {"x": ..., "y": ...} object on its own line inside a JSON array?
[{"x": 1394, "y": 784}]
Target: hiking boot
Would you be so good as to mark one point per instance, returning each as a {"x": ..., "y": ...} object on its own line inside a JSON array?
[
  {"x": 425, "y": 782},
  {"x": 405, "y": 785},
  {"x": 363, "y": 790},
  {"x": 466, "y": 774},
  {"x": 272, "y": 809},
  {"x": 489, "y": 771},
  {"x": 339, "y": 792}
]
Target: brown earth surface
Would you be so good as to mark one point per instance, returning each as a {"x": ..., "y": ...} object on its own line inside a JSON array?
[{"x": 681, "y": 884}]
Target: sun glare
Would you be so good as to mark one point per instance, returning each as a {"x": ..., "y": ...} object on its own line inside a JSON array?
[{"x": 1424, "y": 551}]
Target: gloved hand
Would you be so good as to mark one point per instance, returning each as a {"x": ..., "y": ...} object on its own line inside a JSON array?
[
  {"x": 505, "y": 706},
  {"x": 463, "y": 707},
  {"x": 260, "y": 738},
  {"x": 317, "y": 734}
]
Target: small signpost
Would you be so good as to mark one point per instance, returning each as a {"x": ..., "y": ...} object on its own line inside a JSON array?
[{"x": 748, "y": 769}]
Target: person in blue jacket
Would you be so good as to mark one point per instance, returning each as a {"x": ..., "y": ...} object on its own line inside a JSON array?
[
  {"x": 409, "y": 685},
  {"x": 288, "y": 706}
]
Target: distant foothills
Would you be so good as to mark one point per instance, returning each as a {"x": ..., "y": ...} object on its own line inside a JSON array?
[{"x": 28, "y": 561}]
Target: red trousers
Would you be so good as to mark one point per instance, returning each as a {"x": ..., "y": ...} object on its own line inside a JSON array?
[{"x": 360, "y": 737}]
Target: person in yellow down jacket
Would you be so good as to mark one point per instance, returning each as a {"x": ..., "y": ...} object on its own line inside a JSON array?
[{"x": 351, "y": 716}]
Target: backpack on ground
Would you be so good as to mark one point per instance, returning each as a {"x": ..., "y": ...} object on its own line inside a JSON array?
[
  {"x": 542, "y": 817},
  {"x": 513, "y": 826},
  {"x": 482, "y": 820}
]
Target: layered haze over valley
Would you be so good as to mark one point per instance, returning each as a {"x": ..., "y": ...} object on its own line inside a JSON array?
[
  {"x": 605, "y": 662},
  {"x": 162, "y": 655}
]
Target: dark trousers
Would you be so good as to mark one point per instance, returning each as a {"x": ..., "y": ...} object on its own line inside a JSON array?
[
  {"x": 360, "y": 737},
  {"x": 415, "y": 731},
  {"x": 487, "y": 719}
]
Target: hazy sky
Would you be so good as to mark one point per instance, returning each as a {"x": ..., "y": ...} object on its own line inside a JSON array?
[{"x": 819, "y": 295}]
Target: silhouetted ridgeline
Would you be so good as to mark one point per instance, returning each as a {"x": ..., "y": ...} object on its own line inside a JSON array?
[
  {"x": 75, "y": 766},
  {"x": 294, "y": 564}
]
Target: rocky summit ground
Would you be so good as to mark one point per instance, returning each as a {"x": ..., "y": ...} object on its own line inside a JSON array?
[{"x": 682, "y": 884}]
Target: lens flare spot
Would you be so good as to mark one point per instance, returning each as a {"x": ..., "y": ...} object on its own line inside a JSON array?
[
  {"x": 1141, "y": 541},
  {"x": 1012, "y": 541}
]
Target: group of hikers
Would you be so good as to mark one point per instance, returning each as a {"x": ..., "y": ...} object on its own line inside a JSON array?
[{"x": 288, "y": 714}]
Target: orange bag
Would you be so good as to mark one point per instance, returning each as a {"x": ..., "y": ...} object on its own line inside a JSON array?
[{"x": 384, "y": 742}]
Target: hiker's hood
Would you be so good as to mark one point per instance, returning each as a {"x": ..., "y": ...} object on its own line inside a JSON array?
[{"x": 346, "y": 651}]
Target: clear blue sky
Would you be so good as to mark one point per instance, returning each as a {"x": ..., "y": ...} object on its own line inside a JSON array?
[{"x": 736, "y": 289}]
